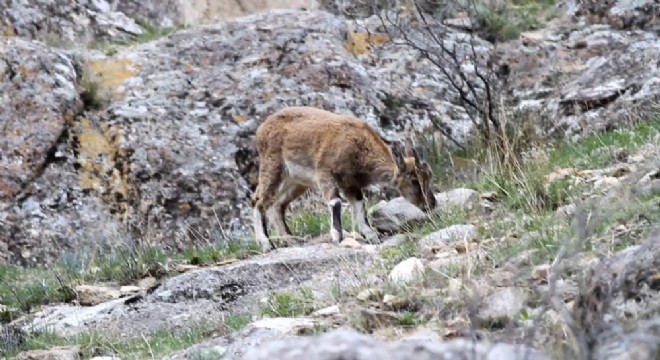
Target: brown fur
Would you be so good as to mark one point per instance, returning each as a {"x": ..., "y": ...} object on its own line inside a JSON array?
[{"x": 339, "y": 155}]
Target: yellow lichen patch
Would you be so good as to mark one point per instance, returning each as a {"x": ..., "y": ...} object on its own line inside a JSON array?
[
  {"x": 97, "y": 153},
  {"x": 110, "y": 74},
  {"x": 8, "y": 31},
  {"x": 359, "y": 43}
]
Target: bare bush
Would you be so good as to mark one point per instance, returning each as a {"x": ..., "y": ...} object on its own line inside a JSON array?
[{"x": 466, "y": 62}]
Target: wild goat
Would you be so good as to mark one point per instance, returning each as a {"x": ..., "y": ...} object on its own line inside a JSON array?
[{"x": 339, "y": 155}]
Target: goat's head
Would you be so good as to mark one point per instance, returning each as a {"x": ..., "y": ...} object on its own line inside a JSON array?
[{"x": 415, "y": 177}]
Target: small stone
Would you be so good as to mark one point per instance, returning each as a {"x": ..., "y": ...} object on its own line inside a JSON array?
[
  {"x": 101, "y": 6},
  {"x": 590, "y": 174},
  {"x": 56, "y": 353},
  {"x": 463, "y": 247},
  {"x": 129, "y": 290},
  {"x": 393, "y": 241},
  {"x": 447, "y": 262},
  {"x": 289, "y": 326},
  {"x": 90, "y": 295},
  {"x": 635, "y": 159},
  {"x": 652, "y": 175},
  {"x": 501, "y": 278},
  {"x": 186, "y": 267},
  {"x": 648, "y": 188},
  {"x": 488, "y": 195},
  {"x": 375, "y": 319},
  {"x": 407, "y": 271},
  {"x": 440, "y": 250},
  {"x": 226, "y": 262},
  {"x": 393, "y": 214},
  {"x": 371, "y": 294},
  {"x": 147, "y": 283},
  {"x": 487, "y": 206},
  {"x": 164, "y": 295},
  {"x": 502, "y": 306},
  {"x": 620, "y": 170},
  {"x": 449, "y": 234},
  {"x": 605, "y": 183},
  {"x": 328, "y": 311},
  {"x": 393, "y": 302},
  {"x": 558, "y": 174},
  {"x": 459, "y": 23},
  {"x": 350, "y": 243},
  {"x": 461, "y": 198},
  {"x": 541, "y": 272},
  {"x": 566, "y": 211},
  {"x": 423, "y": 335}
]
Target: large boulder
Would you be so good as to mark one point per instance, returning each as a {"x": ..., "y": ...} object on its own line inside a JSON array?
[
  {"x": 617, "y": 306},
  {"x": 621, "y": 14},
  {"x": 574, "y": 79},
  {"x": 350, "y": 344},
  {"x": 206, "y": 296},
  {"x": 65, "y": 22},
  {"x": 70, "y": 22},
  {"x": 39, "y": 99}
]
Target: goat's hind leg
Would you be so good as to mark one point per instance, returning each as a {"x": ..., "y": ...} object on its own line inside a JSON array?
[
  {"x": 288, "y": 192},
  {"x": 270, "y": 177}
]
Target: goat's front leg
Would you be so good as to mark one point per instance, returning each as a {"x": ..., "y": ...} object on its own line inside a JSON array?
[
  {"x": 360, "y": 217},
  {"x": 331, "y": 196}
]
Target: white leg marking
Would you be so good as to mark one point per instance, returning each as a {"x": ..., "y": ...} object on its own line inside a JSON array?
[
  {"x": 335, "y": 220},
  {"x": 259, "y": 231}
]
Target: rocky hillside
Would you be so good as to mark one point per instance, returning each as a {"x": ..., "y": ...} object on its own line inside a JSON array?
[
  {"x": 169, "y": 156},
  {"x": 126, "y": 166}
]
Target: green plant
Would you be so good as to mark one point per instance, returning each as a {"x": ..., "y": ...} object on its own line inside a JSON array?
[
  {"x": 286, "y": 304},
  {"x": 213, "y": 254},
  {"x": 90, "y": 94},
  {"x": 161, "y": 343},
  {"x": 237, "y": 322},
  {"x": 405, "y": 249},
  {"x": 408, "y": 318}
]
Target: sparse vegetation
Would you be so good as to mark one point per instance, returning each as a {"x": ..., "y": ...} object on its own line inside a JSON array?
[
  {"x": 98, "y": 344},
  {"x": 523, "y": 228},
  {"x": 237, "y": 322},
  {"x": 548, "y": 210},
  {"x": 90, "y": 94},
  {"x": 150, "y": 33},
  {"x": 288, "y": 304},
  {"x": 25, "y": 289}
]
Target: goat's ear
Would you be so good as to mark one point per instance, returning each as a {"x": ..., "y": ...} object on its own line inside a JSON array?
[
  {"x": 410, "y": 150},
  {"x": 398, "y": 152}
]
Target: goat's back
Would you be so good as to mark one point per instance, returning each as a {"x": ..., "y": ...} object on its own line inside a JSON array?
[{"x": 317, "y": 138}]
